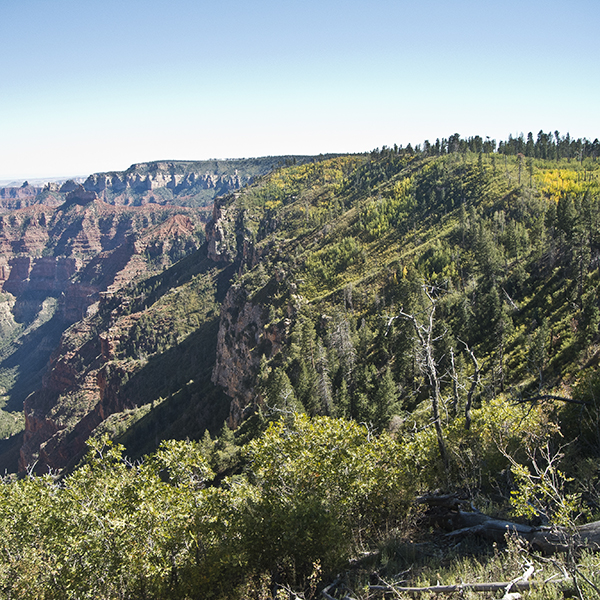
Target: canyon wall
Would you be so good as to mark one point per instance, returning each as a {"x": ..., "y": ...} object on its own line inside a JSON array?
[{"x": 75, "y": 256}]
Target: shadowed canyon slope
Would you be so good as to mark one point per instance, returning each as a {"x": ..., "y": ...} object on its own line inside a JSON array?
[
  {"x": 62, "y": 246},
  {"x": 56, "y": 262}
]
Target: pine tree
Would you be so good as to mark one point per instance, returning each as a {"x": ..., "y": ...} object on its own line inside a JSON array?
[
  {"x": 590, "y": 318},
  {"x": 307, "y": 389},
  {"x": 538, "y": 351},
  {"x": 323, "y": 381},
  {"x": 342, "y": 401},
  {"x": 280, "y": 394},
  {"x": 385, "y": 400}
]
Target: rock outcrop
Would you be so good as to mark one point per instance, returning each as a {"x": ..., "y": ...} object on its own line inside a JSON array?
[
  {"x": 164, "y": 175},
  {"x": 86, "y": 246},
  {"x": 221, "y": 235},
  {"x": 48, "y": 274},
  {"x": 245, "y": 336},
  {"x": 80, "y": 195},
  {"x": 80, "y": 390},
  {"x": 15, "y": 198},
  {"x": 23, "y": 192},
  {"x": 173, "y": 183},
  {"x": 247, "y": 328}
]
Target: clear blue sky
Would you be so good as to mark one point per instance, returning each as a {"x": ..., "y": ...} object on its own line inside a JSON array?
[{"x": 89, "y": 85}]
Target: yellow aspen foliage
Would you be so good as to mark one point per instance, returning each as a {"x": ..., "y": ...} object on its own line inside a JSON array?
[{"x": 557, "y": 183}]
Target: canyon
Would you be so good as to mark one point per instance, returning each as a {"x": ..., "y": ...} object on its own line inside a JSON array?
[
  {"x": 56, "y": 264},
  {"x": 102, "y": 368},
  {"x": 96, "y": 291}
]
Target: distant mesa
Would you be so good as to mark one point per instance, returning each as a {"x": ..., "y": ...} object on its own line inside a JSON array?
[
  {"x": 80, "y": 196},
  {"x": 165, "y": 182},
  {"x": 69, "y": 186}
]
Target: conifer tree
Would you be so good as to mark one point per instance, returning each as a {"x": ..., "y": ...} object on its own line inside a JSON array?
[{"x": 386, "y": 400}]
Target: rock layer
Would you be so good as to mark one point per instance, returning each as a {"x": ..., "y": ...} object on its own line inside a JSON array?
[
  {"x": 79, "y": 254},
  {"x": 86, "y": 246},
  {"x": 166, "y": 182}
]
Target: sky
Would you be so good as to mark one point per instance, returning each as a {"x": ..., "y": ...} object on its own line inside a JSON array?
[{"x": 89, "y": 86}]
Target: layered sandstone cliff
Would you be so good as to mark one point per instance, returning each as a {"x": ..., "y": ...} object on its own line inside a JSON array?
[
  {"x": 167, "y": 183},
  {"x": 75, "y": 256},
  {"x": 80, "y": 390},
  {"x": 163, "y": 175},
  {"x": 87, "y": 246}
]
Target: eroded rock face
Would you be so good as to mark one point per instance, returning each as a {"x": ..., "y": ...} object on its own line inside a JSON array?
[
  {"x": 80, "y": 195},
  {"x": 162, "y": 176},
  {"x": 241, "y": 342},
  {"x": 246, "y": 332},
  {"x": 79, "y": 391},
  {"x": 45, "y": 274},
  {"x": 7, "y": 320},
  {"x": 22, "y": 192},
  {"x": 220, "y": 235},
  {"x": 87, "y": 246},
  {"x": 79, "y": 256},
  {"x": 177, "y": 180},
  {"x": 20, "y": 197},
  {"x": 245, "y": 336}
]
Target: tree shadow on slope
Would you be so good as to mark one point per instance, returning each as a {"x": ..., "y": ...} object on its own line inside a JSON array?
[
  {"x": 24, "y": 361},
  {"x": 178, "y": 384},
  {"x": 103, "y": 268},
  {"x": 9, "y": 453},
  {"x": 152, "y": 289}
]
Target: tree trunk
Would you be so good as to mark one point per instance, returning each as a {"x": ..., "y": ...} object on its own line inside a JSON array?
[
  {"x": 425, "y": 335},
  {"x": 548, "y": 540}
]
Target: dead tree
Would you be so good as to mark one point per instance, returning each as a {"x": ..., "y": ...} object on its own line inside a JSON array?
[
  {"x": 426, "y": 338},
  {"x": 475, "y": 381}
]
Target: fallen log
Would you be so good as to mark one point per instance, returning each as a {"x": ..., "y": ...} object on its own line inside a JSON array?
[
  {"x": 450, "y": 501},
  {"x": 449, "y": 512},
  {"x": 546, "y": 539},
  {"x": 492, "y": 586}
]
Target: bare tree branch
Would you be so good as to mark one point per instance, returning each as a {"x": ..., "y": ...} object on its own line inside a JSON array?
[
  {"x": 510, "y": 300},
  {"x": 425, "y": 335},
  {"x": 474, "y": 383}
]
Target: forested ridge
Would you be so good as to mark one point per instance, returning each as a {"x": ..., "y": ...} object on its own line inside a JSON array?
[{"x": 428, "y": 323}]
